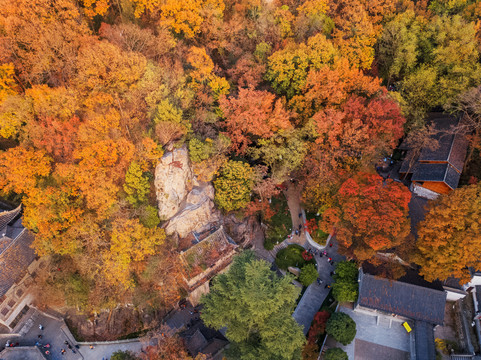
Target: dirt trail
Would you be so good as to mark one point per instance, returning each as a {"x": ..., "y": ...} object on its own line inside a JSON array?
[{"x": 293, "y": 195}]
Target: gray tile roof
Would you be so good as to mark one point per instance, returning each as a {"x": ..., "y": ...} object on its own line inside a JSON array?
[
  {"x": 15, "y": 257},
  {"x": 16, "y": 253},
  {"x": 7, "y": 216},
  {"x": 408, "y": 300},
  {"x": 436, "y": 172},
  {"x": 424, "y": 340},
  {"x": 452, "y": 146},
  {"x": 449, "y": 155}
]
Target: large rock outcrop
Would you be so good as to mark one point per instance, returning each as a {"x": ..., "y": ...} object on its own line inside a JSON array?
[
  {"x": 197, "y": 213},
  {"x": 244, "y": 231},
  {"x": 173, "y": 181}
]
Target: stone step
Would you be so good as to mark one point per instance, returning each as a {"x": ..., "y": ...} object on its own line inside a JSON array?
[
  {"x": 26, "y": 323},
  {"x": 278, "y": 247}
]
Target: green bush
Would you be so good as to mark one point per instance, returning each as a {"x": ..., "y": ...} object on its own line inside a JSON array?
[
  {"x": 276, "y": 234},
  {"x": 345, "y": 287},
  {"x": 233, "y": 186},
  {"x": 123, "y": 355},
  {"x": 280, "y": 224},
  {"x": 335, "y": 354},
  {"x": 199, "y": 150},
  {"x": 149, "y": 216},
  {"x": 341, "y": 327},
  {"x": 268, "y": 244},
  {"x": 308, "y": 274},
  {"x": 291, "y": 256},
  {"x": 345, "y": 291}
]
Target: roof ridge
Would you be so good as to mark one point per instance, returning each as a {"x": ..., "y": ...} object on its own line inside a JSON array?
[{"x": 404, "y": 283}]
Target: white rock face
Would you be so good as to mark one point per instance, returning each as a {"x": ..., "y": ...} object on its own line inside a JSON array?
[
  {"x": 197, "y": 214},
  {"x": 173, "y": 181}
]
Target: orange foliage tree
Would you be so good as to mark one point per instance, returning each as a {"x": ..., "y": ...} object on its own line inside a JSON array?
[
  {"x": 370, "y": 215},
  {"x": 7, "y": 81},
  {"x": 331, "y": 86},
  {"x": 21, "y": 168},
  {"x": 252, "y": 115},
  {"x": 355, "y": 133},
  {"x": 449, "y": 240},
  {"x": 41, "y": 38},
  {"x": 354, "y": 32}
]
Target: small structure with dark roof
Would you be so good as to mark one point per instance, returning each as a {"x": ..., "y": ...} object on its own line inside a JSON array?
[
  {"x": 438, "y": 169},
  {"x": 17, "y": 263},
  {"x": 199, "y": 339}
]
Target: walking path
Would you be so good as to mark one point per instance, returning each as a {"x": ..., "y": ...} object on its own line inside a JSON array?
[
  {"x": 55, "y": 333},
  {"x": 315, "y": 294},
  {"x": 293, "y": 196}
]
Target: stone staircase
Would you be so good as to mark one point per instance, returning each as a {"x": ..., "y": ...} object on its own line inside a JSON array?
[{"x": 278, "y": 247}]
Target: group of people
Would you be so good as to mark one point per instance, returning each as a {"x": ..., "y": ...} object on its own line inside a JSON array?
[
  {"x": 47, "y": 346},
  {"x": 329, "y": 260}
]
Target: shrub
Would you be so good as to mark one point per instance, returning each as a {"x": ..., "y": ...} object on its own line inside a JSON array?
[
  {"x": 341, "y": 327},
  {"x": 149, "y": 216},
  {"x": 291, "y": 256},
  {"x": 345, "y": 287},
  {"x": 268, "y": 244},
  {"x": 308, "y": 274},
  {"x": 199, "y": 151},
  {"x": 306, "y": 255},
  {"x": 346, "y": 270},
  {"x": 233, "y": 186},
  {"x": 318, "y": 326},
  {"x": 335, "y": 354},
  {"x": 345, "y": 291},
  {"x": 123, "y": 355}
]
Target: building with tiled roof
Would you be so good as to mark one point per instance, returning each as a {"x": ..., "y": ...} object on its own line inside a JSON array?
[
  {"x": 403, "y": 299},
  {"x": 17, "y": 263},
  {"x": 422, "y": 307},
  {"x": 206, "y": 258},
  {"x": 438, "y": 168}
]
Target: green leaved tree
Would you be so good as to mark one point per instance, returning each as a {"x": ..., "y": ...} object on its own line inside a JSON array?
[
  {"x": 345, "y": 287},
  {"x": 335, "y": 354},
  {"x": 341, "y": 327},
  {"x": 234, "y": 185},
  {"x": 255, "y": 305},
  {"x": 308, "y": 274},
  {"x": 136, "y": 185}
]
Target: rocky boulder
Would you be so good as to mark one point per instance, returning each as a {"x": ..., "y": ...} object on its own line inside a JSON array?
[
  {"x": 197, "y": 213},
  {"x": 244, "y": 231},
  {"x": 173, "y": 181}
]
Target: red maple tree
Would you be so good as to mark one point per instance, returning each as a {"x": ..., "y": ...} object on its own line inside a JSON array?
[{"x": 370, "y": 215}]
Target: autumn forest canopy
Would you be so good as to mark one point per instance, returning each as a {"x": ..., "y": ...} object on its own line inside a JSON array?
[{"x": 94, "y": 92}]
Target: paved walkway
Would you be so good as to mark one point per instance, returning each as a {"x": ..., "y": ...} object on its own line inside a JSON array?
[
  {"x": 390, "y": 335},
  {"x": 55, "y": 333},
  {"x": 315, "y": 294}
]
